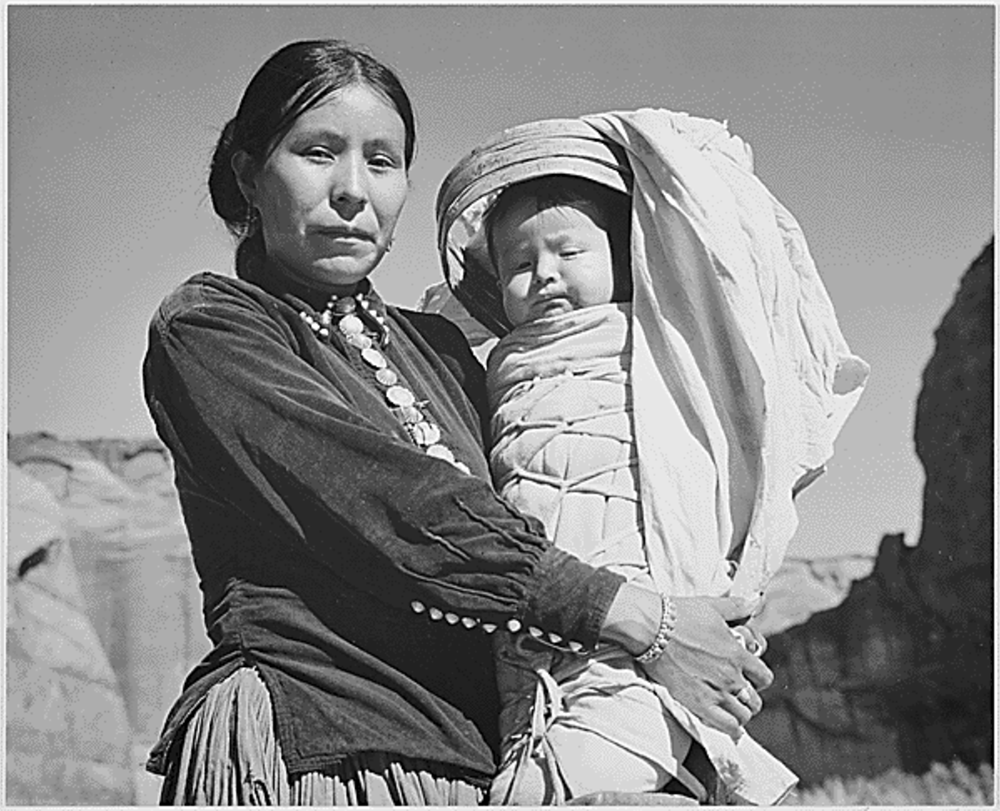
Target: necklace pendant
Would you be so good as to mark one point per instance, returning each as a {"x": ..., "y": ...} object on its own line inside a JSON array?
[
  {"x": 351, "y": 325},
  {"x": 399, "y": 396},
  {"x": 410, "y": 415},
  {"x": 374, "y": 358},
  {"x": 359, "y": 340},
  {"x": 441, "y": 452},
  {"x": 344, "y": 306},
  {"x": 425, "y": 433}
]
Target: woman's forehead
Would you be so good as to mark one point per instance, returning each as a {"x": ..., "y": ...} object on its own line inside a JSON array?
[{"x": 356, "y": 104}]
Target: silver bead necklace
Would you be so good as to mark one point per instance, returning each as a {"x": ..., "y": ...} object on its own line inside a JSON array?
[{"x": 350, "y": 315}]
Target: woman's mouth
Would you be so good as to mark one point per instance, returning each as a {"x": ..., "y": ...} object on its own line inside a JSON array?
[{"x": 349, "y": 234}]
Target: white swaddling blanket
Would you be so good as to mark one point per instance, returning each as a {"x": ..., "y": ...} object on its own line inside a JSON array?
[
  {"x": 735, "y": 341},
  {"x": 562, "y": 444},
  {"x": 564, "y": 451},
  {"x": 734, "y": 344}
]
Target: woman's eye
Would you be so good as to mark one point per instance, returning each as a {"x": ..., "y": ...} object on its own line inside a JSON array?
[
  {"x": 319, "y": 153},
  {"x": 383, "y": 162}
]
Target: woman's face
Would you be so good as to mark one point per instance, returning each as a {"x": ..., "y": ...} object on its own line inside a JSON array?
[{"x": 330, "y": 192}]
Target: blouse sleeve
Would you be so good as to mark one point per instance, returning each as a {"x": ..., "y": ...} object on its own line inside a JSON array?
[{"x": 276, "y": 441}]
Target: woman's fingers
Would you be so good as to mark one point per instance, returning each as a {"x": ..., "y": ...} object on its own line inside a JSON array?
[
  {"x": 734, "y": 609},
  {"x": 761, "y": 641},
  {"x": 721, "y": 719},
  {"x": 713, "y": 706},
  {"x": 757, "y": 673},
  {"x": 736, "y": 707},
  {"x": 752, "y": 640},
  {"x": 750, "y": 698}
]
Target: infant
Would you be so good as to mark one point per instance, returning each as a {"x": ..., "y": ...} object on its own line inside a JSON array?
[{"x": 563, "y": 449}]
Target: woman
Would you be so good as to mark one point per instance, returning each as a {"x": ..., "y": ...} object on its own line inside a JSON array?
[{"x": 329, "y": 460}]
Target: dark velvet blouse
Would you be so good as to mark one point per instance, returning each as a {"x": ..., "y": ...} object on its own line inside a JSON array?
[{"x": 356, "y": 573}]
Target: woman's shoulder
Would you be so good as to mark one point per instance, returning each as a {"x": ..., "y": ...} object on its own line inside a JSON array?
[
  {"x": 443, "y": 336},
  {"x": 437, "y": 330},
  {"x": 205, "y": 289},
  {"x": 448, "y": 342}
]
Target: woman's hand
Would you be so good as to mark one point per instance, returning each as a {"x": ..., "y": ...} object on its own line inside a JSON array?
[
  {"x": 704, "y": 666},
  {"x": 707, "y": 669}
]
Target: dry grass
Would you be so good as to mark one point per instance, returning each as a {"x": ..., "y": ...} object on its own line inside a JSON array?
[{"x": 942, "y": 785}]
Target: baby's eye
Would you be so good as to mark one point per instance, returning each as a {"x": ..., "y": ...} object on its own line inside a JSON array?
[{"x": 569, "y": 253}]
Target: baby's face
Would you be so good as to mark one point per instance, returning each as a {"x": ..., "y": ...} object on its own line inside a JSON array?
[{"x": 551, "y": 261}]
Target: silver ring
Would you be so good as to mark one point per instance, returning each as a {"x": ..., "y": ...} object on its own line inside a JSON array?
[{"x": 743, "y": 694}]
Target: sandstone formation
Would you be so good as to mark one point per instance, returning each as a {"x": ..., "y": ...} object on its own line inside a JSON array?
[
  {"x": 104, "y": 617},
  {"x": 804, "y": 586},
  {"x": 67, "y": 731},
  {"x": 901, "y": 673}
]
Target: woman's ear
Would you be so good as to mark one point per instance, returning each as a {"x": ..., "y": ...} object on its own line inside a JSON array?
[{"x": 245, "y": 173}]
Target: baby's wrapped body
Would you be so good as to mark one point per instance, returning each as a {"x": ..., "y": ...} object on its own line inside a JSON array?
[
  {"x": 562, "y": 435},
  {"x": 564, "y": 451}
]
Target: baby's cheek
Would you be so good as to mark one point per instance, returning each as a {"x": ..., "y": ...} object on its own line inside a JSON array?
[{"x": 512, "y": 306}]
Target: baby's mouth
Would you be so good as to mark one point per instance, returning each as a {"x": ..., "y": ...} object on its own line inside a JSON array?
[{"x": 553, "y": 304}]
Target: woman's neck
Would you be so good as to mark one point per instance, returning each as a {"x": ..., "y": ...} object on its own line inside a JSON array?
[{"x": 277, "y": 277}]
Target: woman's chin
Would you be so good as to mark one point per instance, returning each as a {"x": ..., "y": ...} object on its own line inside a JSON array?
[{"x": 343, "y": 270}]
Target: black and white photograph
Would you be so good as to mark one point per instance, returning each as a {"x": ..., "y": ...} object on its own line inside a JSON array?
[{"x": 459, "y": 405}]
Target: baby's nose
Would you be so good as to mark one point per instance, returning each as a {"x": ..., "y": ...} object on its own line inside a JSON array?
[{"x": 547, "y": 268}]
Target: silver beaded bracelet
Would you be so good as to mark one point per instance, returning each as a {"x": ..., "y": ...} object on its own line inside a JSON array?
[{"x": 668, "y": 619}]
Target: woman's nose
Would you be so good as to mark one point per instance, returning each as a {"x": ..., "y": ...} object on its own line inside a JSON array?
[{"x": 349, "y": 190}]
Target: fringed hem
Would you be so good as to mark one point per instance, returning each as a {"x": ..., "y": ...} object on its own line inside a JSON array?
[{"x": 229, "y": 755}]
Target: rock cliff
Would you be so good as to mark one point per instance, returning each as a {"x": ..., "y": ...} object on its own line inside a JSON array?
[{"x": 901, "y": 673}]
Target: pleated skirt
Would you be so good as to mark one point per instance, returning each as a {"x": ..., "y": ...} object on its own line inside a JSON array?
[{"x": 229, "y": 755}]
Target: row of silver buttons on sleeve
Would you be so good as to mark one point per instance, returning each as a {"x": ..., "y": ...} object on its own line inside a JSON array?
[{"x": 513, "y": 625}]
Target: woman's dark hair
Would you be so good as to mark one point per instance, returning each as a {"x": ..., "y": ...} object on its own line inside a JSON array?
[
  {"x": 612, "y": 209},
  {"x": 292, "y": 81}
]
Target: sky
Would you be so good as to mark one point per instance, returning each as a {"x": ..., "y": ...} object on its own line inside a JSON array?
[{"x": 872, "y": 125}]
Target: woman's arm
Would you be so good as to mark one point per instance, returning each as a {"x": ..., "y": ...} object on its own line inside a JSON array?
[{"x": 239, "y": 406}]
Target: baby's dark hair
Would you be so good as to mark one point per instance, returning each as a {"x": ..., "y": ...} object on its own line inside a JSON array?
[{"x": 610, "y": 207}]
